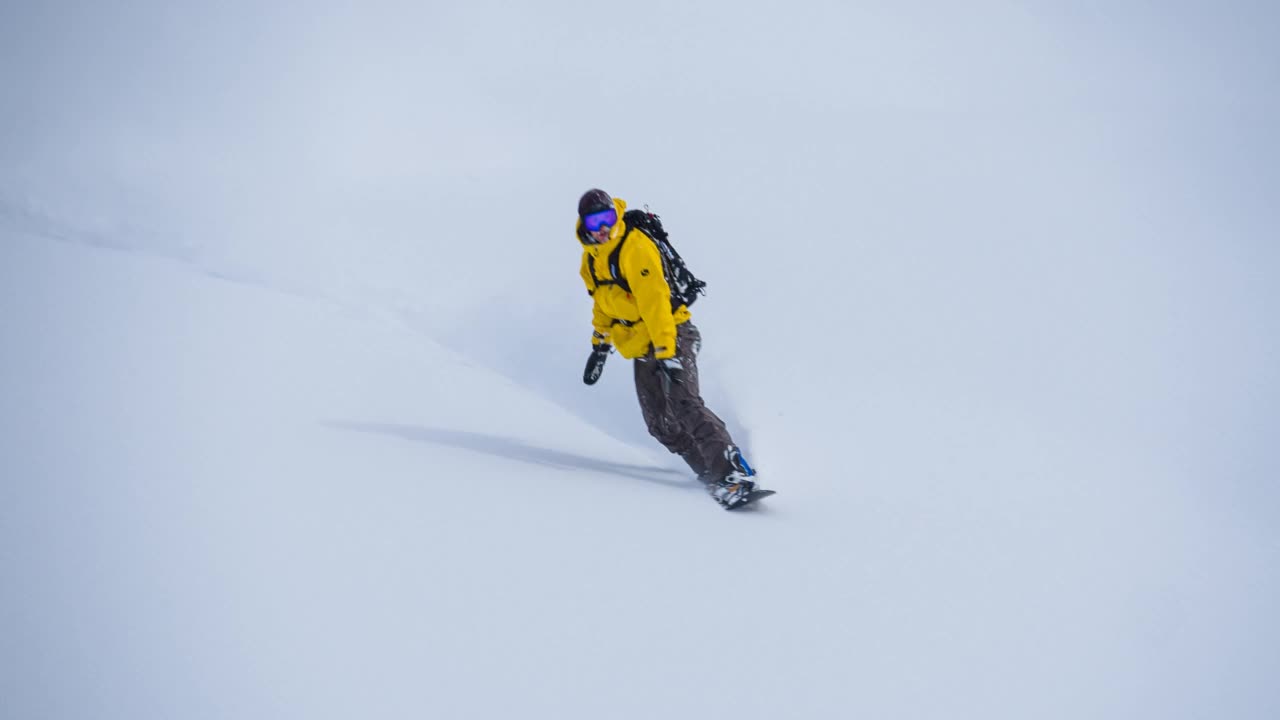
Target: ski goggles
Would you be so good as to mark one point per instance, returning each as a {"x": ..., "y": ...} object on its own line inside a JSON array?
[{"x": 602, "y": 219}]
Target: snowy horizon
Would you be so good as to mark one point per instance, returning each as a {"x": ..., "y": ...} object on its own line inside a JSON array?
[{"x": 294, "y": 423}]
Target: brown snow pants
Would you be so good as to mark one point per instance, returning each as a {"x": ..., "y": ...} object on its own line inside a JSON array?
[{"x": 675, "y": 413}]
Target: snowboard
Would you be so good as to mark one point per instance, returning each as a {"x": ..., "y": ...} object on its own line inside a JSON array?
[{"x": 752, "y": 497}]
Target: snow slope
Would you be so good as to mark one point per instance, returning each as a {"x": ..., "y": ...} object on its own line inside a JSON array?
[
  {"x": 293, "y": 424},
  {"x": 228, "y": 501}
]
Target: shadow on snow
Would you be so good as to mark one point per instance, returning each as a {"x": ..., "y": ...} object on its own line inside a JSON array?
[{"x": 513, "y": 449}]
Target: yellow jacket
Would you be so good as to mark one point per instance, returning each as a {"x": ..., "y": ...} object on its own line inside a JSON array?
[{"x": 636, "y": 321}]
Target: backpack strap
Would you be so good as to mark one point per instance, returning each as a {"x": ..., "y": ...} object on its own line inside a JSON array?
[{"x": 614, "y": 270}]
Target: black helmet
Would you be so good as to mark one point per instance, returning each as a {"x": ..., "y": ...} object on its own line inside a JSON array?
[{"x": 594, "y": 200}]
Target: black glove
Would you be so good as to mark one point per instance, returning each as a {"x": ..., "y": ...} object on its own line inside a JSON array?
[{"x": 595, "y": 363}]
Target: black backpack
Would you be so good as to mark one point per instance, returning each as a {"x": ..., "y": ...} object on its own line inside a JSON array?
[{"x": 685, "y": 287}]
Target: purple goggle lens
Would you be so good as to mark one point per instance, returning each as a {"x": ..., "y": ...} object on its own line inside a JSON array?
[{"x": 602, "y": 219}]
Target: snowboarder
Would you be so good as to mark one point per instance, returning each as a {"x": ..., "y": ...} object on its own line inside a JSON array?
[{"x": 635, "y": 312}]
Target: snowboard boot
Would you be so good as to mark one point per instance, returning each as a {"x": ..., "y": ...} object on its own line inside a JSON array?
[
  {"x": 739, "y": 463},
  {"x": 736, "y": 486},
  {"x": 731, "y": 490}
]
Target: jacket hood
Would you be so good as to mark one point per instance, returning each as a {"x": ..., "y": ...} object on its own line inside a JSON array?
[{"x": 614, "y": 233}]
